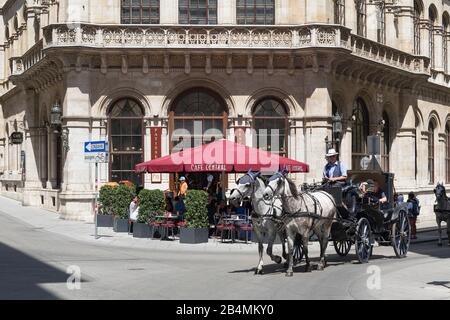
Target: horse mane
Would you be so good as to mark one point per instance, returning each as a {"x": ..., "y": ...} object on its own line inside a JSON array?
[{"x": 293, "y": 188}]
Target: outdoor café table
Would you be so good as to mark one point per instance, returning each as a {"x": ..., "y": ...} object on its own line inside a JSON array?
[
  {"x": 167, "y": 219},
  {"x": 232, "y": 221}
]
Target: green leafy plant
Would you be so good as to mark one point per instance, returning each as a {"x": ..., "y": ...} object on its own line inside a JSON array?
[
  {"x": 106, "y": 198},
  {"x": 196, "y": 212},
  {"x": 123, "y": 196},
  {"x": 151, "y": 204}
]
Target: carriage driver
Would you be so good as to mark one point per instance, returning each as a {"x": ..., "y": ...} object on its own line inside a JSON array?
[{"x": 334, "y": 171}]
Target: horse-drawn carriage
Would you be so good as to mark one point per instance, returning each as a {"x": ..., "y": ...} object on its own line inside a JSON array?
[{"x": 361, "y": 219}]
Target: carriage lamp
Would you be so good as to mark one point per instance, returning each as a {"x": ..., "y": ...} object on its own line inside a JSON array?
[{"x": 55, "y": 115}]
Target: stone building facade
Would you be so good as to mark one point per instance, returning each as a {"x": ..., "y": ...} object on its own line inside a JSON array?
[{"x": 131, "y": 72}]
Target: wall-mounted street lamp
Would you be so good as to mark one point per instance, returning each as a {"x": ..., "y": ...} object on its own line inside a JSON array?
[
  {"x": 56, "y": 115},
  {"x": 56, "y": 123}
]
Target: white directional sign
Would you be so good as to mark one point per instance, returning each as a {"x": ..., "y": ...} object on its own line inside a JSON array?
[{"x": 96, "y": 151}]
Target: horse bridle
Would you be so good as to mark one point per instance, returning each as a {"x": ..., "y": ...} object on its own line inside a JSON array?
[{"x": 267, "y": 215}]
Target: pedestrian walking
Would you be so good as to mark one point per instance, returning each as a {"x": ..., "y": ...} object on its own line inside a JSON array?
[{"x": 413, "y": 213}]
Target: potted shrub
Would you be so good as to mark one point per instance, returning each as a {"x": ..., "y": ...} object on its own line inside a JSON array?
[
  {"x": 151, "y": 204},
  {"x": 197, "y": 227},
  {"x": 105, "y": 213},
  {"x": 123, "y": 196}
]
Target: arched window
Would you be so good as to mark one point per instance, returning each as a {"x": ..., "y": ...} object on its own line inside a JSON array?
[
  {"x": 270, "y": 126},
  {"x": 360, "y": 131},
  {"x": 198, "y": 116},
  {"x": 432, "y": 14},
  {"x": 140, "y": 11},
  {"x": 385, "y": 143},
  {"x": 447, "y": 153},
  {"x": 197, "y": 11},
  {"x": 431, "y": 128},
  {"x": 126, "y": 144},
  {"x": 445, "y": 27},
  {"x": 255, "y": 12},
  {"x": 416, "y": 20},
  {"x": 361, "y": 17},
  {"x": 339, "y": 12},
  {"x": 381, "y": 24}
]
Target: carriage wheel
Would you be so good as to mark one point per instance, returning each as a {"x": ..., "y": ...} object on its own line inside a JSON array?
[
  {"x": 298, "y": 250},
  {"x": 401, "y": 235},
  {"x": 363, "y": 244},
  {"x": 342, "y": 247}
]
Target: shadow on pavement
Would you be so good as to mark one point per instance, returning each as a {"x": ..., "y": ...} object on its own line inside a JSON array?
[
  {"x": 21, "y": 276},
  {"x": 431, "y": 249}
]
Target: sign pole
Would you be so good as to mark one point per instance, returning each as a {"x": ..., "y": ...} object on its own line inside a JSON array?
[{"x": 96, "y": 200}]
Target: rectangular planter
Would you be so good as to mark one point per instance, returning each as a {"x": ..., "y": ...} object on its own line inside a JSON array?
[
  {"x": 120, "y": 225},
  {"x": 194, "y": 235},
  {"x": 142, "y": 230},
  {"x": 105, "y": 221}
]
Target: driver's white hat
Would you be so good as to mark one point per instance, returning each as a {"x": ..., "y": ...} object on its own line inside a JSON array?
[{"x": 331, "y": 153}]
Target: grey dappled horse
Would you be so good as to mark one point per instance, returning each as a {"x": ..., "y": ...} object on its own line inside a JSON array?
[
  {"x": 252, "y": 186},
  {"x": 305, "y": 212},
  {"x": 442, "y": 210}
]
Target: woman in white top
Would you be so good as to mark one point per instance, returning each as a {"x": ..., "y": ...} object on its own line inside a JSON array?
[{"x": 134, "y": 209}]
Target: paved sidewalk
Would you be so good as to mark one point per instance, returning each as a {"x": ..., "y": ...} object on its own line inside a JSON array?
[{"x": 83, "y": 231}]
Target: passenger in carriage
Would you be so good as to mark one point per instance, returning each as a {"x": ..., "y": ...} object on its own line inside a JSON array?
[
  {"x": 374, "y": 190},
  {"x": 334, "y": 171}
]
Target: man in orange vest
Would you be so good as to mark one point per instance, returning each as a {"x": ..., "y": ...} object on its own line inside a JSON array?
[{"x": 183, "y": 187}]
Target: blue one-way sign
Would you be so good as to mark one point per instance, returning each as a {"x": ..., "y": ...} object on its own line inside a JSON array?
[{"x": 96, "y": 146}]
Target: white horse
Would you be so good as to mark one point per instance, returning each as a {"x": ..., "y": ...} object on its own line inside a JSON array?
[
  {"x": 304, "y": 212},
  {"x": 252, "y": 186},
  {"x": 442, "y": 210}
]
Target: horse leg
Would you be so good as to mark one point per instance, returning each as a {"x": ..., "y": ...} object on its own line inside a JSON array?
[
  {"x": 305, "y": 239},
  {"x": 290, "y": 260},
  {"x": 271, "y": 240},
  {"x": 439, "y": 221},
  {"x": 259, "y": 267},
  {"x": 282, "y": 235},
  {"x": 323, "y": 240},
  {"x": 448, "y": 230}
]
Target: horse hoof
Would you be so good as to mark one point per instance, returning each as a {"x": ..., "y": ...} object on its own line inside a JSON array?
[
  {"x": 289, "y": 274},
  {"x": 320, "y": 267},
  {"x": 278, "y": 259}
]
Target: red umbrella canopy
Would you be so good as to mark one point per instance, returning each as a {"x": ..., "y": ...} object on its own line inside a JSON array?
[{"x": 221, "y": 156}]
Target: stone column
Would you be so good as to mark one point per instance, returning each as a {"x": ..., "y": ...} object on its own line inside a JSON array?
[
  {"x": 319, "y": 11},
  {"x": 317, "y": 121},
  {"x": 447, "y": 35},
  {"x": 391, "y": 32},
  {"x": 437, "y": 35},
  {"x": 77, "y": 189},
  {"x": 405, "y": 29},
  {"x": 169, "y": 12},
  {"x": 226, "y": 12},
  {"x": 350, "y": 15},
  {"x": 372, "y": 20},
  {"x": 424, "y": 28},
  {"x": 282, "y": 11},
  {"x": 403, "y": 150},
  {"x": 32, "y": 148}
]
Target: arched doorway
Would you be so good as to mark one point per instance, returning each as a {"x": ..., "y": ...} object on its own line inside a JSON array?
[
  {"x": 197, "y": 116},
  {"x": 126, "y": 140}
]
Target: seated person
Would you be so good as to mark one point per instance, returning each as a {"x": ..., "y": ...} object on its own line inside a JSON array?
[
  {"x": 211, "y": 211},
  {"x": 180, "y": 208},
  {"x": 221, "y": 212},
  {"x": 374, "y": 190}
]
